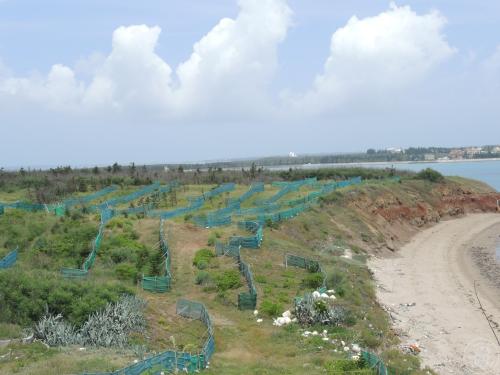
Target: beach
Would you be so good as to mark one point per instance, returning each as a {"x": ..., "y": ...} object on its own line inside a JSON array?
[{"x": 442, "y": 291}]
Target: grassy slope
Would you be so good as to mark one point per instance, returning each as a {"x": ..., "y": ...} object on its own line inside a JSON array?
[{"x": 351, "y": 218}]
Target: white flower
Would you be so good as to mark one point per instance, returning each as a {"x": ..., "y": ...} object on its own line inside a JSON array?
[{"x": 256, "y": 312}]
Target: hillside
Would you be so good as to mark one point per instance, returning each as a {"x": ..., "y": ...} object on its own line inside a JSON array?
[{"x": 339, "y": 230}]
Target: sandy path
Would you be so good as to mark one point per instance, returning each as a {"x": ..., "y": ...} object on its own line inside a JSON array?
[{"x": 435, "y": 272}]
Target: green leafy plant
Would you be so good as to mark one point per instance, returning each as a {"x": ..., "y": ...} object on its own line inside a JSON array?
[
  {"x": 202, "y": 258},
  {"x": 229, "y": 279}
]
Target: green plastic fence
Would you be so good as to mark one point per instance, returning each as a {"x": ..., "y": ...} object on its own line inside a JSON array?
[
  {"x": 160, "y": 284},
  {"x": 250, "y": 242},
  {"x": 9, "y": 260},
  {"x": 288, "y": 188},
  {"x": 374, "y": 362},
  {"x": 246, "y": 300},
  {"x": 305, "y": 263},
  {"x": 174, "y": 361},
  {"x": 106, "y": 215},
  {"x": 195, "y": 203},
  {"x": 282, "y": 215},
  {"x": 129, "y": 197},
  {"x": 70, "y": 202},
  {"x": 30, "y": 207},
  {"x": 255, "y": 188},
  {"x": 219, "y": 190}
]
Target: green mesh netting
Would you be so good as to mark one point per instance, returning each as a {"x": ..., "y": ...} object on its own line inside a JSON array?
[
  {"x": 160, "y": 284},
  {"x": 106, "y": 215},
  {"x": 9, "y": 260},
  {"x": 130, "y": 197},
  {"x": 70, "y": 202},
  {"x": 246, "y": 300},
  {"x": 374, "y": 362},
  {"x": 195, "y": 203},
  {"x": 305, "y": 263}
]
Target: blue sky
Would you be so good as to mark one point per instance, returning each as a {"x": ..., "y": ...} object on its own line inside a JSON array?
[{"x": 281, "y": 76}]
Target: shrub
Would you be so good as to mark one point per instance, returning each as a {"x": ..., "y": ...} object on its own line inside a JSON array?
[
  {"x": 202, "y": 258},
  {"x": 126, "y": 271},
  {"x": 429, "y": 174},
  {"x": 202, "y": 278},
  {"x": 271, "y": 308},
  {"x": 313, "y": 280},
  {"x": 226, "y": 280},
  {"x": 261, "y": 279},
  {"x": 155, "y": 264},
  {"x": 74, "y": 300}
]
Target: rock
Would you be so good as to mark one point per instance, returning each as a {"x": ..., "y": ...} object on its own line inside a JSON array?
[
  {"x": 259, "y": 320},
  {"x": 256, "y": 312},
  {"x": 355, "y": 348},
  {"x": 287, "y": 314}
]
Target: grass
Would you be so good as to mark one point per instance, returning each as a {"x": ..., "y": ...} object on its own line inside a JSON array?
[{"x": 341, "y": 220}]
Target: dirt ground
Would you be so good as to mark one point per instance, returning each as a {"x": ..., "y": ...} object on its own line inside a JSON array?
[{"x": 429, "y": 289}]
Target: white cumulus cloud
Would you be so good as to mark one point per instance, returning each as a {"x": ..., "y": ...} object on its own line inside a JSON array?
[
  {"x": 376, "y": 55},
  {"x": 231, "y": 66},
  {"x": 230, "y": 70}
]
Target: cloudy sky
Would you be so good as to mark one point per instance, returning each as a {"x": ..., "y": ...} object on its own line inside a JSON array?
[{"x": 93, "y": 82}]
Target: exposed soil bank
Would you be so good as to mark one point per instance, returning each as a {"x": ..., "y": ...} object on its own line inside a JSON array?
[{"x": 437, "y": 270}]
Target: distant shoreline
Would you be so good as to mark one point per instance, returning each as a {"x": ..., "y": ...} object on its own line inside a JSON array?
[{"x": 372, "y": 163}]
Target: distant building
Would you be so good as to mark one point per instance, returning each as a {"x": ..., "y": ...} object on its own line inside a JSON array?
[
  {"x": 292, "y": 154},
  {"x": 472, "y": 151},
  {"x": 456, "y": 154},
  {"x": 496, "y": 150},
  {"x": 429, "y": 157}
]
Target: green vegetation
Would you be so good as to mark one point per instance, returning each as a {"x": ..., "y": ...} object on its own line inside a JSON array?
[
  {"x": 202, "y": 258},
  {"x": 270, "y": 308},
  {"x": 313, "y": 280},
  {"x": 41, "y": 292},
  {"x": 430, "y": 174},
  {"x": 229, "y": 279},
  {"x": 340, "y": 224}
]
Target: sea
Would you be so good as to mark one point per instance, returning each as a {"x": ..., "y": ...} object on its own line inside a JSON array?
[{"x": 487, "y": 171}]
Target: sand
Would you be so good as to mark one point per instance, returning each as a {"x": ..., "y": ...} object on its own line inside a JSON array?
[{"x": 429, "y": 289}]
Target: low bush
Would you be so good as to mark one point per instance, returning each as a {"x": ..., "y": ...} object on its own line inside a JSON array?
[
  {"x": 313, "y": 280},
  {"x": 429, "y": 174},
  {"x": 226, "y": 280},
  {"x": 74, "y": 300},
  {"x": 202, "y": 258},
  {"x": 125, "y": 271},
  {"x": 202, "y": 278},
  {"x": 271, "y": 308}
]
